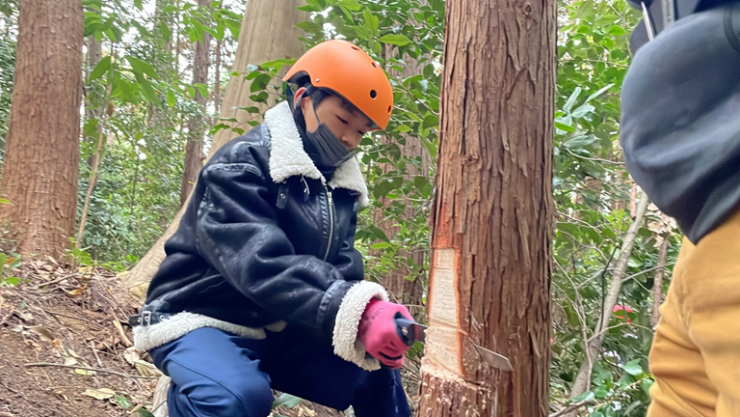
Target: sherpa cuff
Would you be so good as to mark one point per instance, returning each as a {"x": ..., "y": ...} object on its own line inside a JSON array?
[
  {"x": 346, "y": 344},
  {"x": 177, "y": 326}
]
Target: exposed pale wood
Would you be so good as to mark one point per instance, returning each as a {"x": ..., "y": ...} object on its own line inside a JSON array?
[
  {"x": 42, "y": 156},
  {"x": 492, "y": 239},
  {"x": 268, "y": 32}
]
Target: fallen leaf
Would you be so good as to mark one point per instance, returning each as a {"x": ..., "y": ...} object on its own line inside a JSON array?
[
  {"x": 70, "y": 362},
  {"x": 57, "y": 344},
  {"x": 146, "y": 368},
  {"x": 100, "y": 394},
  {"x": 84, "y": 372},
  {"x": 44, "y": 334},
  {"x": 125, "y": 339},
  {"x": 143, "y": 412},
  {"x": 76, "y": 292},
  {"x": 131, "y": 355},
  {"x": 73, "y": 353},
  {"x": 123, "y": 402}
]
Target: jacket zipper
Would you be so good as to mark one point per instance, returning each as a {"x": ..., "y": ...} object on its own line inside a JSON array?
[{"x": 331, "y": 220}]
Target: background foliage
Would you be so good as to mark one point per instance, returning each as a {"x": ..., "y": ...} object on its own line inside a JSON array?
[{"x": 143, "y": 92}]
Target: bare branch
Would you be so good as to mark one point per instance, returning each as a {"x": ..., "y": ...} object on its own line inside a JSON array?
[{"x": 583, "y": 379}]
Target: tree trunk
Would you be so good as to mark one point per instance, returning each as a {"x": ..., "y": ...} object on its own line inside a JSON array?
[
  {"x": 42, "y": 156},
  {"x": 94, "y": 54},
  {"x": 197, "y": 124},
  {"x": 258, "y": 42},
  {"x": 658, "y": 281},
  {"x": 593, "y": 345},
  {"x": 217, "y": 78},
  {"x": 493, "y": 214}
]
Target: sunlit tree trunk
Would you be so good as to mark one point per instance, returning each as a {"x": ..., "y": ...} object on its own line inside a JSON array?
[
  {"x": 493, "y": 214},
  {"x": 42, "y": 155}
]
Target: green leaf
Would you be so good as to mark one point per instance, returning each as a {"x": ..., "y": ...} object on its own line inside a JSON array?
[
  {"x": 138, "y": 4},
  {"x": 165, "y": 29},
  {"x": 371, "y": 21},
  {"x": 582, "y": 110},
  {"x": 143, "y": 412},
  {"x": 430, "y": 120},
  {"x": 202, "y": 89},
  {"x": 380, "y": 245},
  {"x": 4, "y": 201},
  {"x": 171, "y": 98},
  {"x": 149, "y": 91},
  {"x": 617, "y": 30},
  {"x": 600, "y": 92},
  {"x": 101, "y": 68},
  {"x": 572, "y": 100},
  {"x": 633, "y": 367},
  {"x": 310, "y": 26},
  {"x": 565, "y": 127},
  {"x": 142, "y": 67},
  {"x": 645, "y": 384},
  {"x": 123, "y": 402},
  {"x": 398, "y": 40},
  {"x": 580, "y": 141},
  {"x": 12, "y": 281},
  {"x": 352, "y": 5}
]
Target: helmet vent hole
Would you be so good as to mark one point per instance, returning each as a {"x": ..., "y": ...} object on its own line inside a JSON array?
[
  {"x": 375, "y": 65},
  {"x": 355, "y": 48},
  {"x": 373, "y": 94},
  {"x": 389, "y": 109}
]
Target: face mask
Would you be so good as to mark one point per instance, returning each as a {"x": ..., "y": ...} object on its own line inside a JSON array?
[{"x": 329, "y": 148}]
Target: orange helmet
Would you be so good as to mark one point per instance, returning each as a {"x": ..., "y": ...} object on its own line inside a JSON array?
[{"x": 350, "y": 72}]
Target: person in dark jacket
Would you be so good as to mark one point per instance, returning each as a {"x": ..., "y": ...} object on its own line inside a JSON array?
[
  {"x": 262, "y": 287},
  {"x": 680, "y": 132}
]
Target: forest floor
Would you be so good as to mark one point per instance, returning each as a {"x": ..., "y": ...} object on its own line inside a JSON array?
[{"x": 65, "y": 348}]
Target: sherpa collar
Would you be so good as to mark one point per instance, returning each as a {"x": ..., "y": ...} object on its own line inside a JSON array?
[{"x": 288, "y": 158}]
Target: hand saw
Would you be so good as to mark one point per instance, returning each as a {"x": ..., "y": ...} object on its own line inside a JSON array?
[{"x": 410, "y": 331}]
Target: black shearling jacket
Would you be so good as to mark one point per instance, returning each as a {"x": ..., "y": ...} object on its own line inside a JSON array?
[{"x": 265, "y": 242}]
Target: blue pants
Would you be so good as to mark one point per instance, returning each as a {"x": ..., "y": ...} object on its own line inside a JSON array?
[{"x": 215, "y": 373}]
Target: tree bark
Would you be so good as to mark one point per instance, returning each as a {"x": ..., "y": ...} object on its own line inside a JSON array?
[
  {"x": 658, "y": 281},
  {"x": 94, "y": 54},
  {"x": 493, "y": 214},
  {"x": 217, "y": 78},
  {"x": 42, "y": 155},
  {"x": 583, "y": 379},
  {"x": 259, "y": 41},
  {"x": 197, "y": 124}
]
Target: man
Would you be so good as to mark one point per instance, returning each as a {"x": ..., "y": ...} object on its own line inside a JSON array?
[{"x": 681, "y": 138}]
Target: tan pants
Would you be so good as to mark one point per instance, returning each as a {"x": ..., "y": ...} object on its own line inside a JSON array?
[{"x": 696, "y": 352}]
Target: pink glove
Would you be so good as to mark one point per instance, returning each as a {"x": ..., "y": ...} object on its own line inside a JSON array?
[{"x": 378, "y": 332}]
